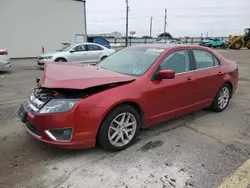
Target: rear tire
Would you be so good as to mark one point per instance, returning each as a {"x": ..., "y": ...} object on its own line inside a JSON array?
[
  {"x": 222, "y": 98},
  {"x": 237, "y": 45},
  {"x": 60, "y": 59},
  {"x": 119, "y": 128},
  {"x": 248, "y": 45}
]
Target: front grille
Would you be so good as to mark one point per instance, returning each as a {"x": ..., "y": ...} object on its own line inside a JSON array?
[
  {"x": 40, "y": 58},
  {"x": 39, "y": 63},
  {"x": 33, "y": 129}
]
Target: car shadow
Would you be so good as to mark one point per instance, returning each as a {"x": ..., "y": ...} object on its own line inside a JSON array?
[
  {"x": 174, "y": 123},
  {"x": 49, "y": 155},
  {"x": 39, "y": 68},
  {"x": 2, "y": 72}
]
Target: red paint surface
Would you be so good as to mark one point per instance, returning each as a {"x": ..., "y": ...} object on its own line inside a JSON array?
[{"x": 74, "y": 76}]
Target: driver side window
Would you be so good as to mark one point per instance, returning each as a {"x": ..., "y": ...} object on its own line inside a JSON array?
[
  {"x": 80, "y": 48},
  {"x": 178, "y": 61}
]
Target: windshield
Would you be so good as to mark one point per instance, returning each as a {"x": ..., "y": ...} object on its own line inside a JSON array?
[
  {"x": 131, "y": 61},
  {"x": 66, "y": 48}
]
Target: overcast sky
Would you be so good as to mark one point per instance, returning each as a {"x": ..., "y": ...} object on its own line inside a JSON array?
[{"x": 185, "y": 17}]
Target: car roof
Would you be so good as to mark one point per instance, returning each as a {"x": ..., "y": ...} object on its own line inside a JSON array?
[
  {"x": 173, "y": 46},
  {"x": 84, "y": 43},
  {"x": 164, "y": 46}
]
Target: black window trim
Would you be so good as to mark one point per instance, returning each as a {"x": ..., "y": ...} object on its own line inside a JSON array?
[
  {"x": 194, "y": 60},
  {"x": 192, "y": 64},
  {"x": 87, "y": 48},
  {"x": 76, "y": 47}
]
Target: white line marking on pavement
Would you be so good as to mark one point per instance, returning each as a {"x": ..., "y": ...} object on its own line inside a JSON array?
[{"x": 239, "y": 179}]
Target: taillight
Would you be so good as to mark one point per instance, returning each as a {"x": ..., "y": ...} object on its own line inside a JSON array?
[{"x": 3, "y": 53}]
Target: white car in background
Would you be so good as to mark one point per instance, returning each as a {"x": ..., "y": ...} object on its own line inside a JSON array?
[
  {"x": 4, "y": 60},
  {"x": 85, "y": 53}
]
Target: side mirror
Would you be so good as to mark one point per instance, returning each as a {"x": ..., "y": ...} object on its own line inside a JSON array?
[
  {"x": 166, "y": 74},
  {"x": 72, "y": 51}
]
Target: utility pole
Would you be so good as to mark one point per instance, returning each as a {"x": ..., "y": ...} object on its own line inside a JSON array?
[
  {"x": 165, "y": 23},
  {"x": 151, "y": 23},
  {"x": 127, "y": 10},
  {"x": 85, "y": 21}
]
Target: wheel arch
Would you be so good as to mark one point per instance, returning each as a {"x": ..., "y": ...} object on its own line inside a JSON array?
[
  {"x": 229, "y": 83},
  {"x": 131, "y": 103},
  {"x": 231, "y": 86},
  {"x": 227, "y": 78},
  {"x": 61, "y": 58},
  {"x": 104, "y": 56}
]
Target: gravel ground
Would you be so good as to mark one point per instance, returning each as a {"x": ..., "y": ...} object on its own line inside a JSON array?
[{"x": 198, "y": 150}]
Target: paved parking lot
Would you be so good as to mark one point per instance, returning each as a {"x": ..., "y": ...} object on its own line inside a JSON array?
[{"x": 199, "y": 150}]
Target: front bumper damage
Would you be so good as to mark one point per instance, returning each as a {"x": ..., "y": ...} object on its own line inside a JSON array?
[{"x": 50, "y": 128}]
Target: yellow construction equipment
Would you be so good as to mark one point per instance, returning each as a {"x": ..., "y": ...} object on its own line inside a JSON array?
[{"x": 240, "y": 41}]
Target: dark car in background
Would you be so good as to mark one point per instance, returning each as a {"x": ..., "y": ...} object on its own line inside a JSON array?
[{"x": 99, "y": 40}]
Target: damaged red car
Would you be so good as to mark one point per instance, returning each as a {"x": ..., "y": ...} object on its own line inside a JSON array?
[{"x": 77, "y": 106}]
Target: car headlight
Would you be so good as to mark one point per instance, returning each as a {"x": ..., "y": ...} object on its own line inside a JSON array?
[
  {"x": 48, "y": 57},
  {"x": 58, "y": 105}
]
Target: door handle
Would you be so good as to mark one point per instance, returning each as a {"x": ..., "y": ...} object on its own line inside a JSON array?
[
  {"x": 220, "y": 73},
  {"x": 189, "y": 79}
]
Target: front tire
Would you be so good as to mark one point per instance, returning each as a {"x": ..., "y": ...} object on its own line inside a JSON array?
[
  {"x": 237, "y": 45},
  {"x": 60, "y": 60},
  {"x": 222, "y": 98},
  {"x": 119, "y": 128}
]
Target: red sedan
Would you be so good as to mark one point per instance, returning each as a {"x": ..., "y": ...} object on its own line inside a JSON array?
[{"x": 77, "y": 106}]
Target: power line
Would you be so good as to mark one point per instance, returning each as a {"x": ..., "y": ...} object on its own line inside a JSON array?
[
  {"x": 176, "y": 16},
  {"x": 173, "y": 8}
]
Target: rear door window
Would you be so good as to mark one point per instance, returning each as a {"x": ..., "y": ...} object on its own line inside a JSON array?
[
  {"x": 80, "y": 48},
  {"x": 92, "y": 47},
  {"x": 205, "y": 59}
]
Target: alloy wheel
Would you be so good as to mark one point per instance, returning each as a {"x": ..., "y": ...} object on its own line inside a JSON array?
[
  {"x": 223, "y": 98},
  {"x": 122, "y": 129}
]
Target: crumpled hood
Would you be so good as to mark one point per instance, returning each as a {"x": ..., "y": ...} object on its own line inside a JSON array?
[{"x": 73, "y": 76}]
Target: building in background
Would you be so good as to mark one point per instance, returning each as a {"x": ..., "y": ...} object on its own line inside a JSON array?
[
  {"x": 27, "y": 25},
  {"x": 114, "y": 34}
]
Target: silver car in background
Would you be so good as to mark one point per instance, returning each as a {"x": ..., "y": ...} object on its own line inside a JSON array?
[
  {"x": 86, "y": 53},
  {"x": 4, "y": 60}
]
